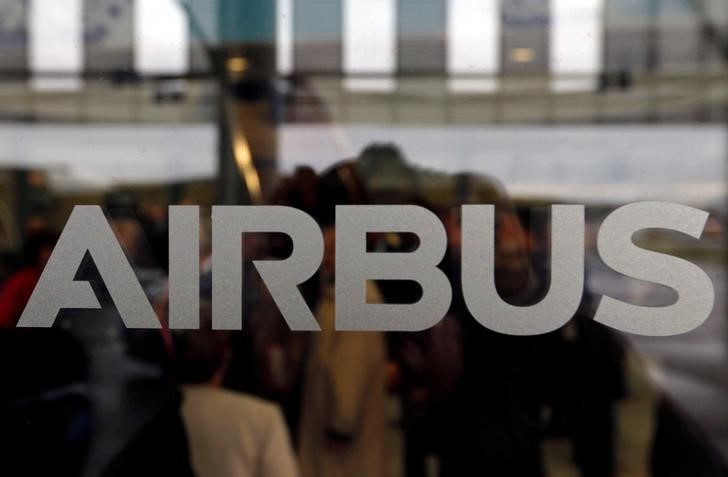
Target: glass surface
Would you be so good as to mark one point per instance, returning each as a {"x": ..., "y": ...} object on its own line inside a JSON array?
[{"x": 135, "y": 106}]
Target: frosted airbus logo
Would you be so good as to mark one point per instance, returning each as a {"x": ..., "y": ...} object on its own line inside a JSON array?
[{"x": 88, "y": 232}]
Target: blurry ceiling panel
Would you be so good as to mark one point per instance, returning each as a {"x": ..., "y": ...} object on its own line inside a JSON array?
[
  {"x": 284, "y": 36},
  {"x": 369, "y": 43},
  {"x": 161, "y": 39},
  {"x": 576, "y": 44},
  {"x": 317, "y": 29},
  {"x": 13, "y": 35},
  {"x": 56, "y": 44},
  {"x": 421, "y": 29},
  {"x": 473, "y": 44},
  {"x": 108, "y": 31}
]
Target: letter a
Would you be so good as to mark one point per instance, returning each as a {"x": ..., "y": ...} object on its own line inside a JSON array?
[{"x": 87, "y": 231}]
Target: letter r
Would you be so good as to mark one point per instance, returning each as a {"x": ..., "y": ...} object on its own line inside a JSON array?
[{"x": 281, "y": 277}]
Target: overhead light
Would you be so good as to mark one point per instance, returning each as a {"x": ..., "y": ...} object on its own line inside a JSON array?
[
  {"x": 237, "y": 65},
  {"x": 522, "y": 55}
]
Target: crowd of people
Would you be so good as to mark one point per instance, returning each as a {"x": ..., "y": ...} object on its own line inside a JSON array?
[{"x": 88, "y": 397}]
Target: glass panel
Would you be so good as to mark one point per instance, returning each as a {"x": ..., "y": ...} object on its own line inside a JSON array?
[{"x": 128, "y": 126}]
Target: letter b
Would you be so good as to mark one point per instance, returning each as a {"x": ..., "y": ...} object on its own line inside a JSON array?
[{"x": 354, "y": 266}]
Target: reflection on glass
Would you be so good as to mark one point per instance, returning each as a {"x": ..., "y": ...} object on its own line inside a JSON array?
[{"x": 138, "y": 105}]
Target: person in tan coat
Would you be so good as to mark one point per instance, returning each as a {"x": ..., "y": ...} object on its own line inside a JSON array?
[
  {"x": 343, "y": 419},
  {"x": 342, "y": 432}
]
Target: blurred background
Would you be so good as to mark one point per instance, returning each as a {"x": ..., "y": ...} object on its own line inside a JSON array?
[{"x": 140, "y": 104}]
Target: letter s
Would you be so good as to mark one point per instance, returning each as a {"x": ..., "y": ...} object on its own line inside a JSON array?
[{"x": 696, "y": 294}]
